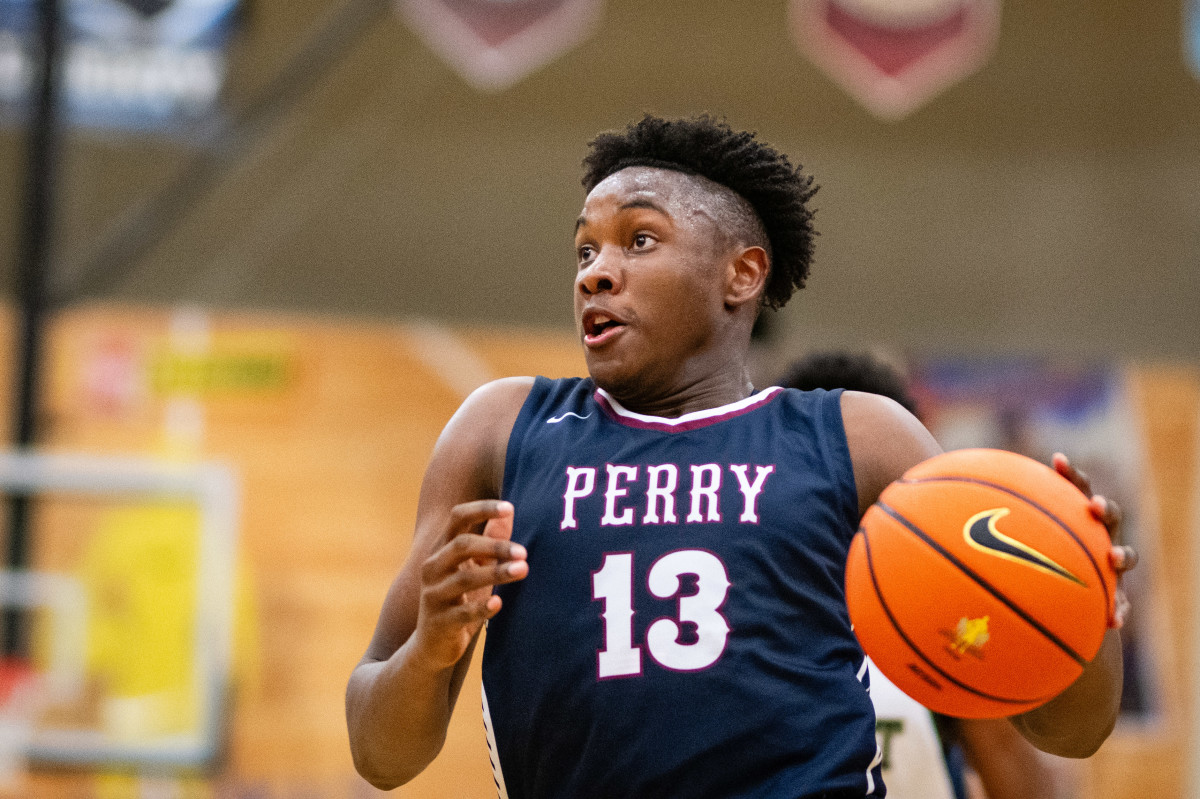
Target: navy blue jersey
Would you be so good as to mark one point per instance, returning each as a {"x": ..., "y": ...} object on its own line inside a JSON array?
[{"x": 683, "y": 629}]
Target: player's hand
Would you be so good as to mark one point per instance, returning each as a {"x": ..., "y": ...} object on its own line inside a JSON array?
[
  {"x": 457, "y": 579},
  {"x": 1122, "y": 556}
]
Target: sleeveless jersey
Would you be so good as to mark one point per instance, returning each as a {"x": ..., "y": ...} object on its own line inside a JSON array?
[{"x": 683, "y": 629}]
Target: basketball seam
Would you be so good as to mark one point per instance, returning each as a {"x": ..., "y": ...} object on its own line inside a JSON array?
[
  {"x": 995, "y": 592},
  {"x": 900, "y": 631},
  {"x": 1004, "y": 489}
]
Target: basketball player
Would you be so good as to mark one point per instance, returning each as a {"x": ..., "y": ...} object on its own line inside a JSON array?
[
  {"x": 658, "y": 549},
  {"x": 922, "y": 754}
]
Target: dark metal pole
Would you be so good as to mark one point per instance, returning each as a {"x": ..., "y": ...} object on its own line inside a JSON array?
[{"x": 32, "y": 268}]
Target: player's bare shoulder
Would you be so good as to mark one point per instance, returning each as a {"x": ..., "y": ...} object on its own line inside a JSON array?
[
  {"x": 884, "y": 441},
  {"x": 498, "y": 398},
  {"x": 478, "y": 432}
]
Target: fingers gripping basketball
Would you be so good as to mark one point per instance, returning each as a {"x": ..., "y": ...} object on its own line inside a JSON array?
[{"x": 980, "y": 583}]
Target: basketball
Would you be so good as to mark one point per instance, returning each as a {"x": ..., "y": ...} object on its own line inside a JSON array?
[{"x": 980, "y": 583}]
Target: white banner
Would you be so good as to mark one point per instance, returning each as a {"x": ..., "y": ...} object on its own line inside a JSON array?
[{"x": 134, "y": 64}]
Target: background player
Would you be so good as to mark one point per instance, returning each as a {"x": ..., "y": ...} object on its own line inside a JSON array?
[
  {"x": 1008, "y": 766},
  {"x": 673, "y": 619}
]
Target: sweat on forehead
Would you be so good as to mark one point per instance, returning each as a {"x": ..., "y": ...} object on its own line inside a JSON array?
[{"x": 691, "y": 195}]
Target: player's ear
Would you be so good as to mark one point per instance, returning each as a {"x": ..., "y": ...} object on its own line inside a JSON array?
[{"x": 746, "y": 276}]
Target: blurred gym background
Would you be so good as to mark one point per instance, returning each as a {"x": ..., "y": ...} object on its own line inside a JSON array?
[{"x": 253, "y": 253}]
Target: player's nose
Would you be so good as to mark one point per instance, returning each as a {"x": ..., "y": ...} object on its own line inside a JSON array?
[{"x": 603, "y": 274}]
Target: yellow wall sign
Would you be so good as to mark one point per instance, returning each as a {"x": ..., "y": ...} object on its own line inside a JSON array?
[{"x": 220, "y": 373}]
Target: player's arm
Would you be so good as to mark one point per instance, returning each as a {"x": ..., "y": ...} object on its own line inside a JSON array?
[
  {"x": 1076, "y": 722},
  {"x": 885, "y": 441},
  {"x": 401, "y": 694},
  {"x": 1008, "y": 766}
]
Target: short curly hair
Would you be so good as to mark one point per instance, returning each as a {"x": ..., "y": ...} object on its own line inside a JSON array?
[{"x": 776, "y": 191}]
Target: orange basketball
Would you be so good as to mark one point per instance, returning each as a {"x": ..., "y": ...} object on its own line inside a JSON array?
[{"x": 980, "y": 583}]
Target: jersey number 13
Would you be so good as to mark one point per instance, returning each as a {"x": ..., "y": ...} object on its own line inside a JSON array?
[{"x": 613, "y": 585}]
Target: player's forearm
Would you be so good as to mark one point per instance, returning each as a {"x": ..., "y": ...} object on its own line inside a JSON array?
[
  {"x": 1008, "y": 766},
  {"x": 1079, "y": 720},
  {"x": 397, "y": 714}
]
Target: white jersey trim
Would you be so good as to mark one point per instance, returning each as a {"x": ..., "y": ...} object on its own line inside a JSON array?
[
  {"x": 694, "y": 416},
  {"x": 493, "y": 751},
  {"x": 870, "y": 776}
]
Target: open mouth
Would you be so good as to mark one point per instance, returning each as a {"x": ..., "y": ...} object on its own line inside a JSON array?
[{"x": 599, "y": 327}]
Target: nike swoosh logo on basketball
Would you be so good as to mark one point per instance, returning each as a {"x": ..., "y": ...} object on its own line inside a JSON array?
[
  {"x": 557, "y": 419},
  {"x": 981, "y": 533}
]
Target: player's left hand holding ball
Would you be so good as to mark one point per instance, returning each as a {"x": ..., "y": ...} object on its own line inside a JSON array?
[
  {"x": 985, "y": 584},
  {"x": 1122, "y": 556}
]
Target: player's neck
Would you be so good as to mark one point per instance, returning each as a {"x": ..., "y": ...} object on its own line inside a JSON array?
[{"x": 672, "y": 400}]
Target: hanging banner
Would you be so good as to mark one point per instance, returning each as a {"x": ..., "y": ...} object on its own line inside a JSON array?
[
  {"x": 492, "y": 44},
  {"x": 131, "y": 64},
  {"x": 893, "y": 56},
  {"x": 1191, "y": 34}
]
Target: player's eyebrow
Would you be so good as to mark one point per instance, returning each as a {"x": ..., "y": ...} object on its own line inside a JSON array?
[
  {"x": 640, "y": 202},
  {"x": 643, "y": 202}
]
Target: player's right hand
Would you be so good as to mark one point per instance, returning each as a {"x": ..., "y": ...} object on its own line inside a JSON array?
[{"x": 457, "y": 579}]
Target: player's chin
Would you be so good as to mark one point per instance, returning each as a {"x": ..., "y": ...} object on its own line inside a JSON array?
[{"x": 610, "y": 373}]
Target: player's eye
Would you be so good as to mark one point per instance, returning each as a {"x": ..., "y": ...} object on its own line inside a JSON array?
[
  {"x": 585, "y": 253},
  {"x": 642, "y": 240}
]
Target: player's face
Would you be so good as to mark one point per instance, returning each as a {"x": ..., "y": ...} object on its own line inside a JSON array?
[{"x": 649, "y": 293}]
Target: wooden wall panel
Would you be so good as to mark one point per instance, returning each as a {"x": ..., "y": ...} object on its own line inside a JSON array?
[{"x": 1151, "y": 760}]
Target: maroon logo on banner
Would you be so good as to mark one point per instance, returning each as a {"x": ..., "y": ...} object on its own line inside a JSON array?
[
  {"x": 495, "y": 43},
  {"x": 894, "y": 55}
]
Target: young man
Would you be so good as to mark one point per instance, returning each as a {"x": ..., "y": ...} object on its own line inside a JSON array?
[
  {"x": 659, "y": 548},
  {"x": 923, "y": 753}
]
